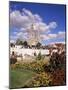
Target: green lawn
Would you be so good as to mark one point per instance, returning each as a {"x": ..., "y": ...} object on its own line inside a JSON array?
[{"x": 18, "y": 78}]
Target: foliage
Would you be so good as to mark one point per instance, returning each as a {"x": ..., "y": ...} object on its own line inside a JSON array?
[
  {"x": 63, "y": 59},
  {"x": 13, "y": 60},
  {"x": 57, "y": 67},
  {"x": 47, "y": 68},
  {"x": 39, "y": 56},
  {"x": 12, "y": 44},
  {"x": 38, "y": 45},
  {"x": 58, "y": 77},
  {"x": 19, "y": 42},
  {"x": 35, "y": 54},
  {"x": 41, "y": 79},
  {"x": 25, "y": 44},
  {"x": 55, "y": 61},
  {"x": 58, "y": 60},
  {"x": 36, "y": 66},
  {"x": 50, "y": 74}
]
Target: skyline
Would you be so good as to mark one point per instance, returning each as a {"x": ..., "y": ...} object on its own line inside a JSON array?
[{"x": 48, "y": 18}]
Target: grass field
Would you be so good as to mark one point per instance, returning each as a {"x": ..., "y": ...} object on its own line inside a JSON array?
[
  {"x": 21, "y": 74},
  {"x": 18, "y": 78}
]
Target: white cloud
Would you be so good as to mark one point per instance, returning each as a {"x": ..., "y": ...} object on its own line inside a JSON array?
[
  {"x": 25, "y": 18},
  {"x": 17, "y": 20},
  {"x": 28, "y": 13},
  {"x": 22, "y": 35},
  {"x": 45, "y": 37},
  {"x": 52, "y": 24},
  {"x": 49, "y": 36},
  {"x": 37, "y": 17},
  {"x": 63, "y": 42},
  {"x": 12, "y": 41},
  {"x": 19, "y": 34},
  {"x": 15, "y": 32},
  {"x": 13, "y": 37},
  {"x": 52, "y": 35},
  {"x": 59, "y": 35}
]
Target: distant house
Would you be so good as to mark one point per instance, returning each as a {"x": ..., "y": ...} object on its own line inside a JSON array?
[
  {"x": 20, "y": 50},
  {"x": 28, "y": 51},
  {"x": 18, "y": 46}
]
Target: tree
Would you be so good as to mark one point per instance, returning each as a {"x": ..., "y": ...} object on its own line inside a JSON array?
[
  {"x": 38, "y": 45},
  {"x": 55, "y": 61},
  {"x": 39, "y": 56},
  {"x": 58, "y": 77},
  {"x": 13, "y": 58},
  {"x": 19, "y": 42},
  {"x": 25, "y": 44},
  {"x": 12, "y": 44}
]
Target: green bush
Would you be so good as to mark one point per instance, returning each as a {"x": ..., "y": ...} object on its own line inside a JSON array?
[
  {"x": 13, "y": 60},
  {"x": 39, "y": 56},
  {"x": 36, "y": 66},
  {"x": 58, "y": 77},
  {"x": 41, "y": 79}
]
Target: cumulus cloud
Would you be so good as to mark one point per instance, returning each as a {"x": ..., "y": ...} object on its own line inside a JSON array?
[
  {"x": 22, "y": 35},
  {"x": 63, "y": 42},
  {"x": 59, "y": 35},
  {"x": 45, "y": 37},
  {"x": 15, "y": 32},
  {"x": 25, "y": 18},
  {"x": 17, "y": 20},
  {"x": 52, "y": 24},
  {"x": 13, "y": 37},
  {"x": 48, "y": 36},
  {"x": 12, "y": 41},
  {"x": 52, "y": 35},
  {"x": 23, "y": 21}
]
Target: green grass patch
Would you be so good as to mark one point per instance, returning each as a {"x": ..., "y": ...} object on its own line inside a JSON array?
[{"x": 18, "y": 78}]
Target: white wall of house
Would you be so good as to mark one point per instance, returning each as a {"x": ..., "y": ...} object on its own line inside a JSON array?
[
  {"x": 18, "y": 46},
  {"x": 24, "y": 51}
]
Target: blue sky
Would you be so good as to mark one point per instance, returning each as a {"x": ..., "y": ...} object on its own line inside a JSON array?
[{"x": 50, "y": 18}]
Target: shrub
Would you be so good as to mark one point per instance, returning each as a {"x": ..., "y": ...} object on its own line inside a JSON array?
[
  {"x": 13, "y": 60},
  {"x": 63, "y": 59},
  {"x": 55, "y": 60},
  {"x": 36, "y": 66},
  {"x": 39, "y": 57},
  {"x": 41, "y": 79},
  {"x": 58, "y": 77},
  {"x": 47, "y": 68}
]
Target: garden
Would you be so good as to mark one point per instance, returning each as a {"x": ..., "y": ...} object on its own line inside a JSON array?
[{"x": 39, "y": 73}]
